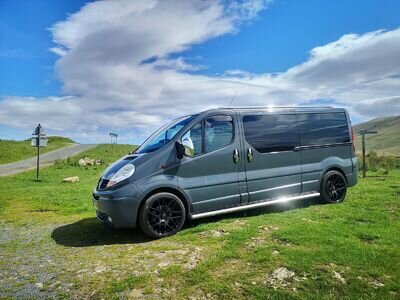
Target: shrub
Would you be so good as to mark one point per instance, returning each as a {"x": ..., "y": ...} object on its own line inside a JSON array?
[{"x": 379, "y": 163}]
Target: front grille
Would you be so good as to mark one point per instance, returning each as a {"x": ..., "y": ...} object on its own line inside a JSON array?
[
  {"x": 101, "y": 216},
  {"x": 103, "y": 184}
]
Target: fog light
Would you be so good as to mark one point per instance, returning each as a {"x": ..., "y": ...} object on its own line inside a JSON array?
[{"x": 109, "y": 219}]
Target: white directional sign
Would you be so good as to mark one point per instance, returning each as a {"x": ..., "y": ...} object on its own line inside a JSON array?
[
  {"x": 39, "y": 138},
  {"x": 42, "y": 141}
]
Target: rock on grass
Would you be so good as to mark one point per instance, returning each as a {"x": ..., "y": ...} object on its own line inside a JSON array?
[{"x": 72, "y": 179}]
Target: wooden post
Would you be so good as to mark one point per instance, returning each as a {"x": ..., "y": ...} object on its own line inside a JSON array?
[
  {"x": 364, "y": 168},
  {"x": 39, "y": 139},
  {"x": 37, "y": 160}
]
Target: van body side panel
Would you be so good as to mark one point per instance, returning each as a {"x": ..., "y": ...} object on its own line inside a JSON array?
[
  {"x": 271, "y": 174},
  {"x": 325, "y": 143},
  {"x": 317, "y": 161},
  {"x": 278, "y": 180},
  {"x": 211, "y": 179}
]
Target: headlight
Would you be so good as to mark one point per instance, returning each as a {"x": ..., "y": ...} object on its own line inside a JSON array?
[{"x": 125, "y": 172}]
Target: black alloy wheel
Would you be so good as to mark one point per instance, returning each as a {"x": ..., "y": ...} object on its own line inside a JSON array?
[
  {"x": 333, "y": 187},
  {"x": 162, "y": 215}
]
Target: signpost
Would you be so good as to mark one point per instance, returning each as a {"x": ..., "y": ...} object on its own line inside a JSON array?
[
  {"x": 39, "y": 139},
  {"x": 363, "y": 132},
  {"x": 112, "y": 134}
]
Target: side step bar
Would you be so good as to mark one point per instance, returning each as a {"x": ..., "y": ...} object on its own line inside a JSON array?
[{"x": 250, "y": 206}]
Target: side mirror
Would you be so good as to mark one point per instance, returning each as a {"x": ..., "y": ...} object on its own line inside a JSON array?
[
  {"x": 180, "y": 150},
  {"x": 189, "y": 147}
]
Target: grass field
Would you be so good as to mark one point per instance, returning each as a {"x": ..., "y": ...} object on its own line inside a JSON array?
[
  {"x": 11, "y": 151},
  {"x": 51, "y": 245}
]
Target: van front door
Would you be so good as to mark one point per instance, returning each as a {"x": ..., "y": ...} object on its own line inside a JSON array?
[
  {"x": 209, "y": 174},
  {"x": 271, "y": 150}
]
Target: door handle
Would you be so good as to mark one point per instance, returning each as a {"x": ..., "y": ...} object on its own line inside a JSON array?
[
  {"x": 236, "y": 156},
  {"x": 249, "y": 154}
]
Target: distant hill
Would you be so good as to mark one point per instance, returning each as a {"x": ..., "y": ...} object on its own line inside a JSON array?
[
  {"x": 386, "y": 141},
  {"x": 16, "y": 150},
  {"x": 56, "y": 139}
]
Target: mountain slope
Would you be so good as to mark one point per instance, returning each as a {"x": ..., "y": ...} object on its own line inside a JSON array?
[{"x": 386, "y": 141}]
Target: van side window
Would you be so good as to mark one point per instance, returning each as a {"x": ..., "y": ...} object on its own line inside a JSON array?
[
  {"x": 218, "y": 132},
  {"x": 271, "y": 133},
  {"x": 323, "y": 129},
  {"x": 194, "y": 138}
]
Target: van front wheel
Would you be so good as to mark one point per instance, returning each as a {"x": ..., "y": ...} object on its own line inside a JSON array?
[
  {"x": 333, "y": 187},
  {"x": 163, "y": 214}
]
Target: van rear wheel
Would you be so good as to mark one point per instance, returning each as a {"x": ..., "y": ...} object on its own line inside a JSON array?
[
  {"x": 163, "y": 214},
  {"x": 333, "y": 187}
]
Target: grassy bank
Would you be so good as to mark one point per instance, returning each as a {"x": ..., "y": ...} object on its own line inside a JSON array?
[
  {"x": 52, "y": 246},
  {"x": 381, "y": 164},
  {"x": 11, "y": 151}
]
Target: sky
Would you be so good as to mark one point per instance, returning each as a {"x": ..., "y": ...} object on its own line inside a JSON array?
[{"x": 86, "y": 68}]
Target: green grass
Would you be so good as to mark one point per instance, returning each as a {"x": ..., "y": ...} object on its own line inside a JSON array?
[
  {"x": 11, "y": 151},
  {"x": 48, "y": 234},
  {"x": 386, "y": 141},
  {"x": 50, "y": 193}
]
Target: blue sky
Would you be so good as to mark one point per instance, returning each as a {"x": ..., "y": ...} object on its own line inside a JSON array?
[
  {"x": 282, "y": 36},
  {"x": 272, "y": 38},
  {"x": 26, "y": 64}
]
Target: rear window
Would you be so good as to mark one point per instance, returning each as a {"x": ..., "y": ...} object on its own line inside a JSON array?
[
  {"x": 271, "y": 133},
  {"x": 323, "y": 129}
]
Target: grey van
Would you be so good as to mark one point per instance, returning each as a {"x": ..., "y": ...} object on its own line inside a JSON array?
[{"x": 226, "y": 160}]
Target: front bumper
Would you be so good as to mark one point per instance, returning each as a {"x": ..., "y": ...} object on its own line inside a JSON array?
[{"x": 121, "y": 205}]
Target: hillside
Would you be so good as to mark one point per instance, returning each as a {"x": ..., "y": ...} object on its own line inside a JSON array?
[
  {"x": 11, "y": 151},
  {"x": 386, "y": 141}
]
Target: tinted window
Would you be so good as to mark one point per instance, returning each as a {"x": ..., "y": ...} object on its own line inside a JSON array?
[
  {"x": 193, "y": 138},
  {"x": 218, "y": 132},
  {"x": 271, "y": 133},
  {"x": 322, "y": 129}
]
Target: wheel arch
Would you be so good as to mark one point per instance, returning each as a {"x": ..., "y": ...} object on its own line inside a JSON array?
[
  {"x": 173, "y": 191},
  {"x": 335, "y": 168},
  {"x": 323, "y": 196}
]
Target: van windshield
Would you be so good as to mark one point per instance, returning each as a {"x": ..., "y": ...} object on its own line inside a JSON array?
[{"x": 163, "y": 135}]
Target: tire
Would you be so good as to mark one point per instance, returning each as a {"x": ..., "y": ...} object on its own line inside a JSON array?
[
  {"x": 162, "y": 214},
  {"x": 333, "y": 187}
]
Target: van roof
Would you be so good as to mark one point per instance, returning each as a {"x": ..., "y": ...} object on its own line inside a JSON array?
[
  {"x": 279, "y": 107},
  {"x": 311, "y": 109}
]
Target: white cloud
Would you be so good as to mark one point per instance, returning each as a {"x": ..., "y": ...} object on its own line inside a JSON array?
[{"x": 116, "y": 67}]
